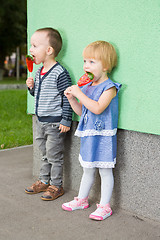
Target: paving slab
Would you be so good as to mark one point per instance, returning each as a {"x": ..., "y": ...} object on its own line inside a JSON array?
[{"x": 27, "y": 217}]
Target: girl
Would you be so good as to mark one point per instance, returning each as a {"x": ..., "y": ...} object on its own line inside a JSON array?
[{"x": 98, "y": 108}]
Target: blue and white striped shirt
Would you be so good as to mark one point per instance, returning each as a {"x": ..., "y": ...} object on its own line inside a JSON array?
[{"x": 51, "y": 105}]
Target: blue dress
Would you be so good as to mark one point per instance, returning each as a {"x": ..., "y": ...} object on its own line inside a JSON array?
[{"x": 98, "y": 132}]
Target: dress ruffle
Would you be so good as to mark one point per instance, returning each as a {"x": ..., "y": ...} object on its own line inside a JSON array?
[
  {"x": 92, "y": 132},
  {"x": 97, "y": 164}
]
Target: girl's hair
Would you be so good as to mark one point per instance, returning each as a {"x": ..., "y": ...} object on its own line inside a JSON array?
[
  {"x": 103, "y": 51},
  {"x": 55, "y": 39}
]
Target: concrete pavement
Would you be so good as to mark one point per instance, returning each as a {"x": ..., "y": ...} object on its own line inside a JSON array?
[{"x": 27, "y": 217}]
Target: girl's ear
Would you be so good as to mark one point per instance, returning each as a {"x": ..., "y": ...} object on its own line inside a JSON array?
[{"x": 105, "y": 69}]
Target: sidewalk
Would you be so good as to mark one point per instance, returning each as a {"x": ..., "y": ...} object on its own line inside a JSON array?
[
  {"x": 27, "y": 217},
  {"x": 12, "y": 86}
]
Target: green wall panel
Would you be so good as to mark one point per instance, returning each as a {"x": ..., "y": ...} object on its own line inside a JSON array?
[{"x": 134, "y": 29}]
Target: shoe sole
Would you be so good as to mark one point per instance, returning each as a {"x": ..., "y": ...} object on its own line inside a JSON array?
[
  {"x": 99, "y": 218},
  {"x": 34, "y": 192},
  {"x": 73, "y": 209},
  {"x": 51, "y": 199}
]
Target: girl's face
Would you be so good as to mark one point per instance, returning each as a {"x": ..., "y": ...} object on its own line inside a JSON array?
[
  {"x": 95, "y": 66},
  {"x": 39, "y": 47}
]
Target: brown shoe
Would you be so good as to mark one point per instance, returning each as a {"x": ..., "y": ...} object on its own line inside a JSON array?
[
  {"x": 37, "y": 187},
  {"x": 52, "y": 193}
]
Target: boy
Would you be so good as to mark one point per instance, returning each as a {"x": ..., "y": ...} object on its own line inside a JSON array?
[{"x": 53, "y": 111}]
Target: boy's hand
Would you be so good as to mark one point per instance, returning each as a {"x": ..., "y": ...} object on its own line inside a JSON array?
[
  {"x": 30, "y": 82},
  {"x": 63, "y": 128}
]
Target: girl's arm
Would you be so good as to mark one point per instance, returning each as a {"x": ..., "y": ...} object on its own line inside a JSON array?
[
  {"x": 76, "y": 106},
  {"x": 96, "y": 107}
]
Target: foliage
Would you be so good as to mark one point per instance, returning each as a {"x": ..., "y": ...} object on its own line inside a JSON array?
[
  {"x": 13, "y": 26},
  {"x": 13, "y": 80},
  {"x": 16, "y": 125}
]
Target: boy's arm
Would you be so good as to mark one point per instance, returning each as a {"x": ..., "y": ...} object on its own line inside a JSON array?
[
  {"x": 63, "y": 128},
  {"x": 31, "y": 91},
  {"x": 64, "y": 81},
  {"x": 30, "y": 85}
]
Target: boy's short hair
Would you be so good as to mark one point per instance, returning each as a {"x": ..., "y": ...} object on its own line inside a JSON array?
[
  {"x": 103, "y": 51},
  {"x": 55, "y": 39}
]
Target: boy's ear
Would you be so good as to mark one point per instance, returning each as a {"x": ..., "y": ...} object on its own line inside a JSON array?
[{"x": 50, "y": 51}]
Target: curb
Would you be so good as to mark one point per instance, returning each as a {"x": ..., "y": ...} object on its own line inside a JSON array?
[{"x": 9, "y": 149}]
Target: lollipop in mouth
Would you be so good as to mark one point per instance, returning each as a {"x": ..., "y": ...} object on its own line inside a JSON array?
[
  {"x": 29, "y": 62},
  {"x": 86, "y": 78}
]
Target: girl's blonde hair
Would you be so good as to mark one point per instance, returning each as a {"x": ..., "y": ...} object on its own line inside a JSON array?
[{"x": 102, "y": 51}]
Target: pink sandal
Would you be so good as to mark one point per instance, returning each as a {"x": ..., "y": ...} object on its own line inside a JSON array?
[
  {"x": 101, "y": 213},
  {"x": 76, "y": 204}
]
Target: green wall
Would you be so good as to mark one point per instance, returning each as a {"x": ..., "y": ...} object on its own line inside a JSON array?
[{"x": 133, "y": 27}]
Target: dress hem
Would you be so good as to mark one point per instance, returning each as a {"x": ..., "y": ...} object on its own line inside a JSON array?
[
  {"x": 91, "y": 132},
  {"x": 97, "y": 164}
]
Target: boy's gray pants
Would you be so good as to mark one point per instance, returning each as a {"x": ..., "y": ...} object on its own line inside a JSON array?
[{"x": 51, "y": 144}]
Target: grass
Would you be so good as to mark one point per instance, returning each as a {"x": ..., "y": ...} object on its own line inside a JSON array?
[
  {"x": 15, "y": 124},
  {"x": 13, "y": 80}
]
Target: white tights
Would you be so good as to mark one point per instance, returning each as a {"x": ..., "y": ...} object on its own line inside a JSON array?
[{"x": 107, "y": 183}]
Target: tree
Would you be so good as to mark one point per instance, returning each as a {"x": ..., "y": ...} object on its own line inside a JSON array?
[{"x": 13, "y": 26}]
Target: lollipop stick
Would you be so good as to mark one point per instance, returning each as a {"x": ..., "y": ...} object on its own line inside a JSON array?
[{"x": 30, "y": 75}]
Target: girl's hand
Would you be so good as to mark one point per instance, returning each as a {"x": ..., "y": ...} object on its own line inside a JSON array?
[
  {"x": 74, "y": 90},
  {"x": 71, "y": 93},
  {"x": 30, "y": 82},
  {"x": 68, "y": 94}
]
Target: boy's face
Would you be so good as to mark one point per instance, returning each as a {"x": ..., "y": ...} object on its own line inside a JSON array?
[
  {"x": 94, "y": 66},
  {"x": 39, "y": 46}
]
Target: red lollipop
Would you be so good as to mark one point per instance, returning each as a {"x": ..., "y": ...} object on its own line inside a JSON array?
[
  {"x": 29, "y": 62},
  {"x": 86, "y": 78}
]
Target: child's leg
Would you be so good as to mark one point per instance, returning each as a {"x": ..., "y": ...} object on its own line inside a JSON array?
[
  {"x": 51, "y": 145},
  {"x": 81, "y": 202},
  {"x": 107, "y": 183},
  {"x": 54, "y": 153},
  {"x": 41, "y": 139},
  {"x": 103, "y": 210},
  {"x": 42, "y": 184},
  {"x": 86, "y": 182}
]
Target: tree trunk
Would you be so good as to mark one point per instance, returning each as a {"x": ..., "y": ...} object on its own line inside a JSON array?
[
  {"x": 17, "y": 63},
  {"x": 2, "y": 59},
  {"x": 1, "y": 74}
]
